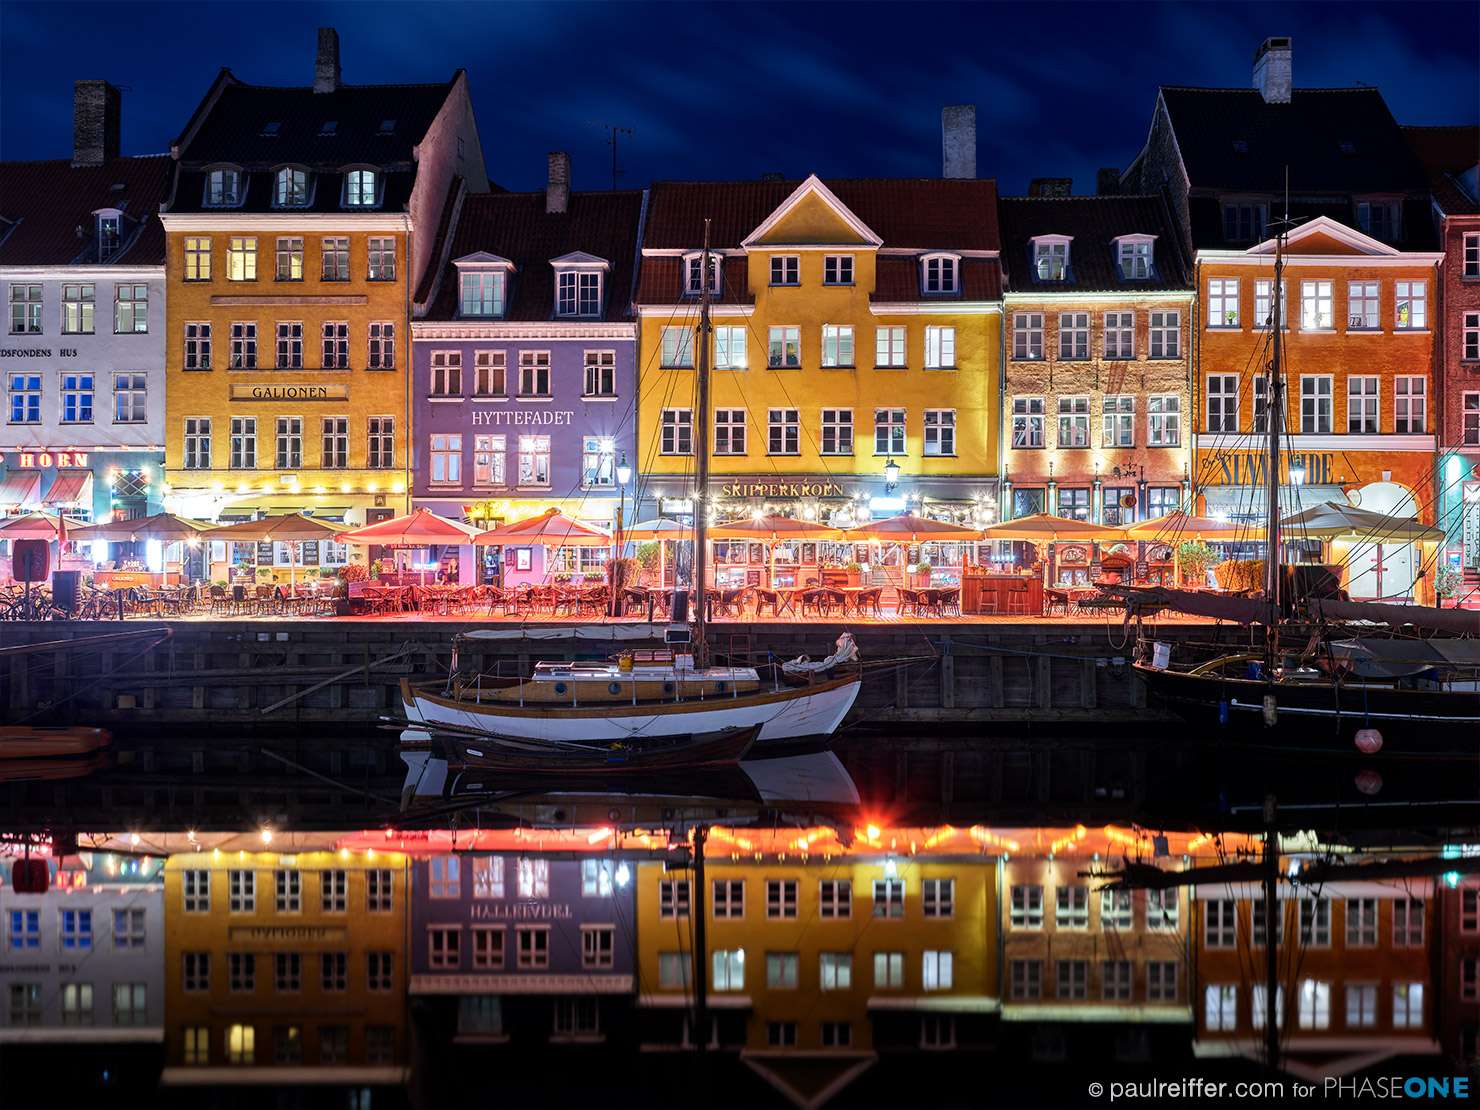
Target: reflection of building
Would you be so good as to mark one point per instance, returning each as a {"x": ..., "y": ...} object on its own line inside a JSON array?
[
  {"x": 83, "y": 976},
  {"x": 285, "y": 969},
  {"x": 1353, "y": 965},
  {"x": 1449, "y": 156},
  {"x": 814, "y": 967},
  {"x": 300, "y": 219},
  {"x": 1092, "y": 972},
  {"x": 1095, "y": 387},
  {"x": 854, "y": 323},
  {"x": 1457, "y": 994},
  {"x": 531, "y": 952},
  {"x": 82, "y": 266},
  {"x": 524, "y": 360}
]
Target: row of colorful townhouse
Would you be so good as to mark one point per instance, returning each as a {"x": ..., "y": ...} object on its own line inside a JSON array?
[
  {"x": 340, "y": 963},
  {"x": 333, "y": 311}
]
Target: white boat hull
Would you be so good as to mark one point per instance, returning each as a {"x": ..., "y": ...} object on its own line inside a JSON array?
[{"x": 787, "y": 714}]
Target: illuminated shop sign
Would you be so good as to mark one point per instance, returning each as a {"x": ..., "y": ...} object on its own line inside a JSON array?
[
  {"x": 43, "y": 459},
  {"x": 782, "y": 489},
  {"x": 307, "y": 391},
  {"x": 523, "y": 417},
  {"x": 1250, "y": 468}
]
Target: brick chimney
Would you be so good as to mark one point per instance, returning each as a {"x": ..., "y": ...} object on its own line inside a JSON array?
[
  {"x": 557, "y": 189},
  {"x": 958, "y": 141},
  {"x": 1051, "y": 187},
  {"x": 97, "y": 113},
  {"x": 1273, "y": 70},
  {"x": 1107, "y": 182},
  {"x": 326, "y": 65}
]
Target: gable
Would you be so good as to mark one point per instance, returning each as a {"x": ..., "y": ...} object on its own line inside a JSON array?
[
  {"x": 812, "y": 214},
  {"x": 1323, "y": 235},
  {"x": 1321, "y": 244}
]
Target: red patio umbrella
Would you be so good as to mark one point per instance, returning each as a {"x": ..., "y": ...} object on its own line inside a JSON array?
[
  {"x": 420, "y": 528},
  {"x": 551, "y": 528}
]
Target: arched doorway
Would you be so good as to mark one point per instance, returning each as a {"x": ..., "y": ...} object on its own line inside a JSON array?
[{"x": 1383, "y": 570}]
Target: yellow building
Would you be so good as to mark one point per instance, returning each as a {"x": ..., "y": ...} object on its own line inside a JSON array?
[
  {"x": 300, "y": 223},
  {"x": 285, "y": 969},
  {"x": 817, "y": 958},
  {"x": 854, "y": 324}
]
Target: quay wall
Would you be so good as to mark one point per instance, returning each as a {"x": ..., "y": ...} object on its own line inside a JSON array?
[{"x": 347, "y": 673}]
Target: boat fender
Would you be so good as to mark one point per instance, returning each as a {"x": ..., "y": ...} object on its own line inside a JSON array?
[
  {"x": 1369, "y": 741},
  {"x": 1271, "y": 711},
  {"x": 30, "y": 876},
  {"x": 1223, "y": 714},
  {"x": 1254, "y": 672},
  {"x": 614, "y": 687}
]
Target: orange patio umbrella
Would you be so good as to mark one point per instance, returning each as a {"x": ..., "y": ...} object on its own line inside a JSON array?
[
  {"x": 1043, "y": 528},
  {"x": 290, "y": 528},
  {"x": 661, "y": 529},
  {"x": 772, "y": 530},
  {"x": 1176, "y": 527},
  {"x": 551, "y": 528},
  {"x": 419, "y": 528}
]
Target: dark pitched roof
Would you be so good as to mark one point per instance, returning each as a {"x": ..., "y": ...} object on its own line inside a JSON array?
[
  {"x": 1304, "y": 136},
  {"x": 1205, "y": 214},
  {"x": 232, "y": 129},
  {"x": 515, "y": 226},
  {"x": 912, "y": 213},
  {"x": 326, "y": 192},
  {"x": 1445, "y": 153},
  {"x": 44, "y": 203},
  {"x": 1094, "y": 222}
]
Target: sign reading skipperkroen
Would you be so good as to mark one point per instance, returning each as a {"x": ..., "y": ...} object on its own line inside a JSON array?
[{"x": 291, "y": 391}]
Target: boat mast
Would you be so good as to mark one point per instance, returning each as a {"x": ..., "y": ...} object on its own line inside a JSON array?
[
  {"x": 1274, "y": 416},
  {"x": 701, "y": 464}
]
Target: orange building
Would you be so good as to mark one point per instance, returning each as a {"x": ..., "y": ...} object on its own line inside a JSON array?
[
  {"x": 1353, "y": 965},
  {"x": 1357, "y": 318}
]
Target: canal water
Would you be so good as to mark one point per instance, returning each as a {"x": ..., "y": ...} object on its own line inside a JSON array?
[{"x": 953, "y": 917}]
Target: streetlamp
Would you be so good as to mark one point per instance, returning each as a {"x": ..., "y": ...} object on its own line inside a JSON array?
[
  {"x": 891, "y": 475},
  {"x": 624, "y": 475}
]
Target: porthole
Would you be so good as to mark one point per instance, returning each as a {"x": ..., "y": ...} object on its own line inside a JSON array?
[
  {"x": 668, "y": 687},
  {"x": 614, "y": 687},
  {"x": 721, "y": 686},
  {"x": 560, "y": 687}
]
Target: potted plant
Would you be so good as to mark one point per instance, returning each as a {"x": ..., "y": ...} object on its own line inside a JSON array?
[
  {"x": 646, "y": 556},
  {"x": 375, "y": 569},
  {"x": 264, "y": 573},
  {"x": 854, "y": 572},
  {"x": 1447, "y": 583},
  {"x": 922, "y": 573},
  {"x": 563, "y": 578},
  {"x": 1194, "y": 559}
]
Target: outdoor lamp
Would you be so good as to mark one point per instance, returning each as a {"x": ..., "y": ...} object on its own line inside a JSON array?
[
  {"x": 624, "y": 472},
  {"x": 1297, "y": 475},
  {"x": 891, "y": 475}
]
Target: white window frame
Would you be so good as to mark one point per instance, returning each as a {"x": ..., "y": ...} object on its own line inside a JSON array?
[
  {"x": 1220, "y": 923},
  {"x": 1051, "y": 257},
  {"x": 1220, "y": 1007},
  {"x": 1363, "y": 405},
  {"x": 380, "y": 351},
  {"x": 1264, "y": 307},
  {"x": 361, "y": 188},
  {"x": 730, "y": 351},
  {"x": 940, "y": 347},
  {"x": 1223, "y": 303},
  {"x": 1071, "y": 906},
  {"x": 1074, "y": 337},
  {"x": 891, "y": 350},
  {"x": 940, "y": 275},
  {"x": 1119, "y": 336},
  {"x": 481, "y": 293},
  {"x": 1025, "y": 979},
  {"x": 1118, "y": 420},
  {"x": 1025, "y": 906},
  {"x": 1135, "y": 256},
  {"x": 1316, "y": 404},
  {"x": 1314, "y": 1004},
  {"x": 938, "y": 898},
  {"x": 578, "y": 292},
  {"x": 891, "y": 431},
  {"x": 1115, "y": 979},
  {"x": 1073, "y": 422},
  {"x": 380, "y": 258},
  {"x": 1410, "y": 404},
  {"x": 837, "y": 346},
  {"x": 937, "y": 970},
  {"x": 677, "y": 347},
  {"x": 534, "y": 375},
  {"x": 939, "y": 440},
  {"x": 1071, "y": 980},
  {"x": 289, "y": 259},
  {"x": 1317, "y": 305},
  {"x": 1361, "y": 1005},
  {"x": 1410, "y": 306},
  {"x": 786, "y": 270},
  {"x": 290, "y": 188},
  {"x": 223, "y": 187},
  {"x": 1221, "y": 404},
  {"x": 241, "y": 258},
  {"x": 837, "y": 432},
  {"x": 289, "y": 344},
  {"x": 1028, "y": 420},
  {"x": 729, "y": 432},
  {"x": 693, "y": 282},
  {"x": 837, "y": 269},
  {"x": 835, "y": 899},
  {"x": 1027, "y": 336},
  {"x": 1158, "y": 989},
  {"x": 783, "y": 347},
  {"x": 677, "y": 432},
  {"x": 1363, "y": 306}
]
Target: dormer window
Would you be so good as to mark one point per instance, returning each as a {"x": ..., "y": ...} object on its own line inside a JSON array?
[
  {"x": 578, "y": 284},
  {"x": 223, "y": 188},
  {"x": 1134, "y": 256},
  {"x": 1379, "y": 218},
  {"x": 361, "y": 189},
  {"x": 693, "y": 277},
  {"x": 1051, "y": 257},
  {"x": 270, "y": 130},
  {"x": 940, "y": 274},
  {"x": 108, "y": 237},
  {"x": 386, "y": 127},
  {"x": 482, "y": 284},
  {"x": 291, "y": 189},
  {"x": 1243, "y": 221}
]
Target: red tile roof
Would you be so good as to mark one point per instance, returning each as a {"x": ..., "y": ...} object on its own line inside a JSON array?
[
  {"x": 662, "y": 282},
  {"x": 912, "y": 213},
  {"x": 515, "y": 226},
  {"x": 1445, "y": 153},
  {"x": 46, "y": 202}
]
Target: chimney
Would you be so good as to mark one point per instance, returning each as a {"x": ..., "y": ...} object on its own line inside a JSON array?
[
  {"x": 1272, "y": 70},
  {"x": 958, "y": 141},
  {"x": 1051, "y": 187},
  {"x": 557, "y": 189},
  {"x": 1107, "y": 182},
  {"x": 326, "y": 66},
  {"x": 97, "y": 112}
]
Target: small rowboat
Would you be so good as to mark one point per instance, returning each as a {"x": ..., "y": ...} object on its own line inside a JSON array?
[{"x": 17, "y": 742}]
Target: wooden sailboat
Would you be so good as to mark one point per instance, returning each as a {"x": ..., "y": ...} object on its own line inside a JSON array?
[
  {"x": 658, "y": 698},
  {"x": 1324, "y": 687}
]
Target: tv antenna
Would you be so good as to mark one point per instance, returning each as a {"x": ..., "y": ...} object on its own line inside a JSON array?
[{"x": 611, "y": 141}]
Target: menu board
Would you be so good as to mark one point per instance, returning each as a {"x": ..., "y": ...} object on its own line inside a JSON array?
[
  {"x": 310, "y": 557},
  {"x": 264, "y": 553}
]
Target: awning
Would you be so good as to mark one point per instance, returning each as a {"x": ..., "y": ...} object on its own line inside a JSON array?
[
  {"x": 328, "y": 512},
  {"x": 18, "y": 490},
  {"x": 70, "y": 487},
  {"x": 284, "y": 511},
  {"x": 1254, "y": 500},
  {"x": 235, "y": 514}
]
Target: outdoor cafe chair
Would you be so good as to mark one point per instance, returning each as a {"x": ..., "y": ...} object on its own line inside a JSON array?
[
  {"x": 908, "y": 599},
  {"x": 764, "y": 597},
  {"x": 869, "y": 601}
]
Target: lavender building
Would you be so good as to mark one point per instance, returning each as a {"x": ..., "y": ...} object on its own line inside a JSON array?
[{"x": 524, "y": 359}]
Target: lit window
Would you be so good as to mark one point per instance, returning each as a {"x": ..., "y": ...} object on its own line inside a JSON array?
[
  {"x": 361, "y": 188},
  {"x": 1050, "y": 260},
  {"x": 291, "y": 189},
  {"x": 482, "y": 294},
  {"x": 223, "y": 188}
]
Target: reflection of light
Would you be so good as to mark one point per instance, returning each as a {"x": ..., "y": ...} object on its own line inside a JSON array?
[
  {"x": 623, "y": 875},
  {"x": 266, "y": 835},
  {"x": 134, "y": 839}
]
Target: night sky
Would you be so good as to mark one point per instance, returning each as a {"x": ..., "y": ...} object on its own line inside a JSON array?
[{"x": 721, "y": 91}]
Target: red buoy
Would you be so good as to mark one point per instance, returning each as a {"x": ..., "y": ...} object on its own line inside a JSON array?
[
  {"x": 1369, "y": 741},
  {"x": 1369, "y": 782}
]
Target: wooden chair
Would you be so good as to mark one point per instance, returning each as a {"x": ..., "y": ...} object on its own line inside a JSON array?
[
  {"x": 764, "y": 597},
  {"x": 869, "y": 601},
  {"x": 1018, "y": 597},
  {"x": 950, "y": 601},
  {"x": 908, "y": 598}
]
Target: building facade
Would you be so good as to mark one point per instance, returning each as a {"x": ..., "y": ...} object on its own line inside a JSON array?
[
  {"x": 1357, "y": 343},
  {"x": 82, "y": 262},
  {"x": 853, "y": 323},
  {"x": 524, "y": 365},
  {"x": 301, "y": 220},
  {"x": 1095, "y": 393},
  {"x": 285, "y": 969}
]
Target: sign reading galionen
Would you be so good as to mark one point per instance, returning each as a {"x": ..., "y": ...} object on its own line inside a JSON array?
[{"x": 291, "y": 391}]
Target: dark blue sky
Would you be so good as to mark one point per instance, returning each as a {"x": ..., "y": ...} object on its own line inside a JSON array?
[{"x": 719, "y": 91}]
